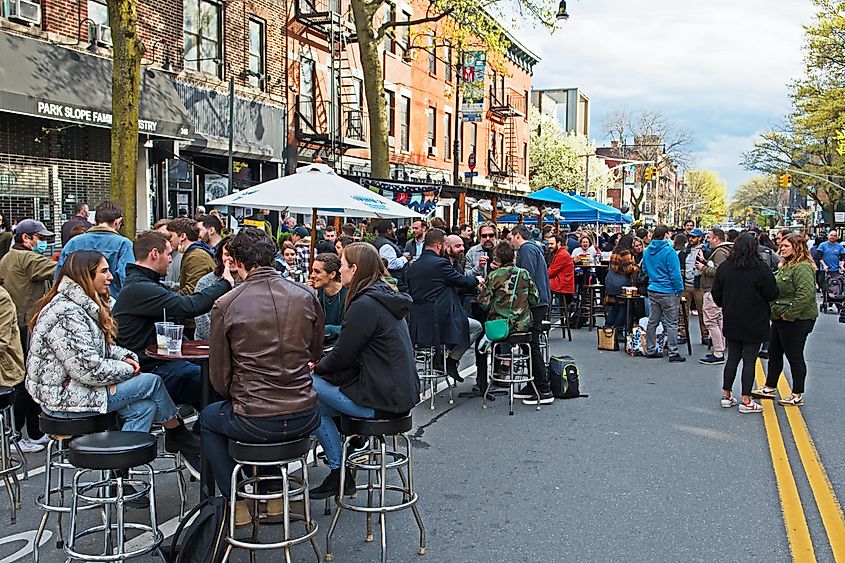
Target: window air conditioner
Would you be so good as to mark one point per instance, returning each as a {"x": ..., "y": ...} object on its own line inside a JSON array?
[
  {"x": 391, "y": 142},
  {"x": 25, "y": 11},
  {"x": 104, "y": 35},
  {"x": 432, "y": 151}
]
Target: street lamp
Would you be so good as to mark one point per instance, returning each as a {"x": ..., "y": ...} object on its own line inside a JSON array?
[{"x": 561, "y": 11}]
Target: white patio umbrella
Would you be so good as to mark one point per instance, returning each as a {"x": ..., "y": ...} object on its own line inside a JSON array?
[{"x": 316, "y": 189}]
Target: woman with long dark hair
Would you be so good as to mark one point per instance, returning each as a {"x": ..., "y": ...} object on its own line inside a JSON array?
[
  {"x": 743, "y": 288},
  {"x": 370, "y": 372},
  {"x": 325, "y": 278},
  {"x": 622, "y": 271},
  {"x": 74, "y": 367},
  {"x": 793, "y": 316}
]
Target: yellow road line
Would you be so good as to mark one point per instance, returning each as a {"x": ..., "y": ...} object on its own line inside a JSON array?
[
  {"x": 797, "y": 531},
  {"x": 829, "y": 508}
]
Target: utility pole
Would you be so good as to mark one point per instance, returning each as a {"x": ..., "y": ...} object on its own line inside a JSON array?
[{"x": 231, "y": 132}]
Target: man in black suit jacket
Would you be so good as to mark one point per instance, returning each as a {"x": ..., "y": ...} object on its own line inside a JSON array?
[{"x": 437, "y": 317}]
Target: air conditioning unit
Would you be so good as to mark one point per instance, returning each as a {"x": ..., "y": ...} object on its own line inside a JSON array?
[
  {"x": 409, "y": 55},
  {"x": 391, "y": 142},
  {"x": 25, "y": 11},
  {"x": 432, "y": 151},
  {"x": 103, "y": 35}
]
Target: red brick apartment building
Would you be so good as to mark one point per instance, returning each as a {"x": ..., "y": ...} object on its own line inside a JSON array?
[{"x": 55, "y": 103}]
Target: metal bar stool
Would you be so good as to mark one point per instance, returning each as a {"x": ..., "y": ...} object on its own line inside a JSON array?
[
  {"x": 430, "y": 371},
  {"x": 174, "y": 464},
  {"x": 112, "y": 454},
  {"x": 545, "y": 330},
  {"x": 376, "y": 460},
  {"x": 592, "y": 304},
  {"x": 516, "y": 349},
  {"x": 249, "y": 458},
  {"x": 9, "y": 466},
  {"x": 52, "y": 500},
  {"x": 562, "y": 311}
]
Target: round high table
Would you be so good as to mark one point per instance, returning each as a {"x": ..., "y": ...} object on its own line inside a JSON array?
[{"x": 194, "y": 351}]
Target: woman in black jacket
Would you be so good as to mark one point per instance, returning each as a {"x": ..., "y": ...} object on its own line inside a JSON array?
[
  {"x": 743, "y": 288},
  {"x": 370, "y": 372}
]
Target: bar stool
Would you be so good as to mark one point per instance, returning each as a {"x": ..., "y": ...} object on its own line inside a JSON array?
[
  {"x": 516, "y": 349},
  {"x": 9, "y": 466},
  {"x": 278, "y": 456},
  {"x": 562, "y": 310},
  {"x": 591, "y": 305},
  {"x": 431, "y": 371},
  {"x": 173, "y": 464},
  {"x": 376, "y": 460},
  {"x": 52, "y": 500},
  {"x": 112, "y": 454},
  {"x": 545, "y": 330}
]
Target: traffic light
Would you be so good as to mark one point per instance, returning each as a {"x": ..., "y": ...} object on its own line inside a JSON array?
[
  {"x": 650, "y": 173},
  {"x": 785, "y": 180}
]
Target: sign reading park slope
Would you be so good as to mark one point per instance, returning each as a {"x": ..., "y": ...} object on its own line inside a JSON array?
[{"x": 472, "y": 96}]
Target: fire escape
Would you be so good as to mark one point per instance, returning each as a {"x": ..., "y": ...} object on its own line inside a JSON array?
[
  {"x": 334, "y": 125},
  {"x": 505, "y": 163}
]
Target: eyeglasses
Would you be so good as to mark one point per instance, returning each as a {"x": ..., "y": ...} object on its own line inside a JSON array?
[{"x": 488, "y": 235}]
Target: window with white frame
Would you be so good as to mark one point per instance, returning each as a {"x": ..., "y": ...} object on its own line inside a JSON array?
[
  {"x": 432, "y": 53},
  {"x": 355, "y": 114},
  {"x": 405, "y": 123},
  {"x": 431, "y": 137},
  {"x": 256, "y": 53},
  {"x": 447, "y": 135},
  {"x": 202, "y": 49},
  {"x": 306, "y": 90},
  {"x": 390, "y": 102},
  {"x": 447, "y": 57}
]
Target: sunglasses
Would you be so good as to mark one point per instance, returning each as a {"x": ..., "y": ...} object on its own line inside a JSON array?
[{"x": 487, "y": 236}]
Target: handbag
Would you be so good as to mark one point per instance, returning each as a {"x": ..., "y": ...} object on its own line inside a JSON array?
[
  {"x": 607, "y": 339},
  {"x": 614, "y": 281},
  {"x": 499, "y": 329}
]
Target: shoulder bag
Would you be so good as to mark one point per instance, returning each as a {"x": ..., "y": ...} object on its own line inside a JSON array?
[{"x": 498, "y": 329}]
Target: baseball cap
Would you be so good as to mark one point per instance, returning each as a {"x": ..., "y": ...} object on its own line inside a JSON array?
[
  {"x": 300, "y": 232},
  {"x": 32, "y": 227},
  {"x": 696, "y": 233}
]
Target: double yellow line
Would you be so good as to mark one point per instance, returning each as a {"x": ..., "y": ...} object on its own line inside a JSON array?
[{"x": 797, "y": 530}]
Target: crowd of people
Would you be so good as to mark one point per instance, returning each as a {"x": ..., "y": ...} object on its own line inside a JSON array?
[{"x": 336, "y": 334}]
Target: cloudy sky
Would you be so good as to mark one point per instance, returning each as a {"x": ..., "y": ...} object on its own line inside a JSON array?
[{"x": 719, "y": 68}]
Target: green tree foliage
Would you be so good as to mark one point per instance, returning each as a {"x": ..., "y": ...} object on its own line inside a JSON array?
[
  {"x": 556, "y": 158},
  {"x": 760, "y": 193},
  {"x": 707, "y": 195}
]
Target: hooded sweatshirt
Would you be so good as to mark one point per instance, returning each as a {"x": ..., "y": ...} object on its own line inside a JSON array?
[{"x": 660, "y": 263}]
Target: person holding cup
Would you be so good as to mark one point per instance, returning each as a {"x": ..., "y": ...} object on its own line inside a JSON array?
[{"x": 74, "y": 367}]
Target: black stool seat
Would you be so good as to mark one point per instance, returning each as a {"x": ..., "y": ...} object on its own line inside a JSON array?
[
  {"x": 519, "y": 338},
  {"x": 77, "y": 426},
  {"x": 112, "y": 450},
  {"x": 279, "y": 451},
  {"x": 7, "y": 397},
  {"x": 374, "y": 426}
]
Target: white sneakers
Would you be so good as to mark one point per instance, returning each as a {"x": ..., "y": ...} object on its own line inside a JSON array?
[{"x": 745, "y": 408}]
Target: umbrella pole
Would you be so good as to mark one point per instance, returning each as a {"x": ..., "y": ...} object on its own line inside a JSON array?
[{"x": 313, "y": 239}]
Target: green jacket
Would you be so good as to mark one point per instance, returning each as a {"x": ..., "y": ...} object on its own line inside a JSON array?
[
  {"x": 797, "y": 287},
  {"x": 495, "y": 296},
  {"x": 11, "y": 354},
  {"x": 26, "y": 276}
]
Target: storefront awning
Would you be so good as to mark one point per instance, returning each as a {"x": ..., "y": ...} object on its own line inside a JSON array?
[
  {"x": 212, "y": 144},
  {"x": 50, "y": 81}
]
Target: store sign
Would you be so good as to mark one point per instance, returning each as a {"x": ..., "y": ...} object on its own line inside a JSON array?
[
  {"x": 87, "y": 115},
  {"x": 472, "y": 89},
  {"x": 839, "y": 216}
]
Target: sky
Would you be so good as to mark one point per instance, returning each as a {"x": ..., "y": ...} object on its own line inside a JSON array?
[{"x": 720, "y": 69}]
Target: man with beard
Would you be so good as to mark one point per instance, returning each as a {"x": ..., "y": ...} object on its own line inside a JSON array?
[
  {"x": 210, "y": 228},
  {"x": 385, "y": 243},
  {"x": 479, "y": 257}
]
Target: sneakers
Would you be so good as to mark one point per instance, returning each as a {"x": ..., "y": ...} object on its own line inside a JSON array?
[
  {"x": 728, "y": 402},
  {"x": 182, "y": 440},
  {"x": 28, "y": 446},
  {"x": 707, "y": 342},
  {"x": 545, "y": 399},
  {"x": 243, "y": 517},
  {"x": 795, "y": 400},
  {"x": 676, "y": 358},
  {"x": 712, "y": 360},
  {"x": 527, "y": 392},
  {"x": 653, "y": 355},
  {"x": 764, "y": 393},
  {"x": 330, "y": 487},
  {"x": 750, "y": 407}
]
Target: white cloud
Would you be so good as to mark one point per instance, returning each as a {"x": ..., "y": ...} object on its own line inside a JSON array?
[{"x": 720, "y": 68}]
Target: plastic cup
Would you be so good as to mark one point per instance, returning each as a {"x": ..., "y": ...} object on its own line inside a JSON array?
[
  {"x": 161, "y": 336},
  {"x": 174, "y": 339}
]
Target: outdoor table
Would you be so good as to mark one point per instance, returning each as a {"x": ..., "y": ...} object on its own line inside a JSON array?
[
  {"x": 629, "y": 299},
  {"x": 194, "y": 351}
]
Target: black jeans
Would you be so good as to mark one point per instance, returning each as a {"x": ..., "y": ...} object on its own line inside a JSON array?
[
  {"x": 220, "y": 424},
  {"x": 789, "y": 337},
  {"x": 26, "y": 412},
  {"x": 747, "y": 352},
  {"x": 541, "y": 377},
  {"x": 480, "y": 314},
  {"x": 616, "y": 316}
]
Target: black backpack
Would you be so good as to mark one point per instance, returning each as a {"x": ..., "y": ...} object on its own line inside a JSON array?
[
  {"x": 203, "y": 541},
  {"x": 563, "y": 377}
]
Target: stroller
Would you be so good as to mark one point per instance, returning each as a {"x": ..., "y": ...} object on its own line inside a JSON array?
[{"x": 833, "y": 292}]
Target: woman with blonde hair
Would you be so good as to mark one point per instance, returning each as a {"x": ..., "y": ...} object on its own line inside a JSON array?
[
  {"x": 793, "y": 315},
  {"x": 74, "y": 367},
  {"x": 370, "y": 372}
]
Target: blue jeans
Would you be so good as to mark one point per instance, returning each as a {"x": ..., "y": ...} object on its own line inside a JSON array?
[
  {"x": 665, "y": 308},
  {"x": 332, "y": 402},
  {"x": 183, "y": 381},
  {"x": 140, "y": 401},
  {"x": 220, "y": 424}
]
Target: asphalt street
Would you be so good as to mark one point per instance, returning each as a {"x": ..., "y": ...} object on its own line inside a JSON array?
[{"x": 648, "y": 468}]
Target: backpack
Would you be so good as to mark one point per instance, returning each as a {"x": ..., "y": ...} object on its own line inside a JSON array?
[
  {"x": 203, "y": 541},
  {"x": 563, "y": 377}
]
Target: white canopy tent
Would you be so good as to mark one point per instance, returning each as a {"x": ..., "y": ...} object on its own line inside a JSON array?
[{"x": 316, "y": 189}]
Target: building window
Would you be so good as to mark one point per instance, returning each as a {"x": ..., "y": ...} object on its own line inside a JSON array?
[
  {"x": 494, "y": 155},
  {"x": 473, "y": 138},
  {"x": 355, "y": 115},
  {"x": 447, "y": 136},
  {"x": 306, "y": 91},
  {"x": 447, "y": 56},
  {"x": 493, "y": 92},
  {"x": 432, "y": 54},
  {"x": 202, "y": 50},
  {"x": 525, "y": 159},
  {"x": 405, "y": 123},
  {"x": 502, "y": 150},
  {"x": 403, "y": 33},
  {"x": 99, "y": 14},
  {"x": 431, "y": 138},
  {"x": 256, "y": 54},
  {"x": 390, "y": 102},
  {"x": 525, "y": 106},
  {"x": 390, "y": 33}
]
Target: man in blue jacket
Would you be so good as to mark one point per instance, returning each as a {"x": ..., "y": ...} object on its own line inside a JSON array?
[{"x": 665, "y": 286}]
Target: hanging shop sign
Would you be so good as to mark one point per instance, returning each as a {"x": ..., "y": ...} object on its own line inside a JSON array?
[
  {"x": 420, "y": 198},
  {"x": 472, "y": 87}
]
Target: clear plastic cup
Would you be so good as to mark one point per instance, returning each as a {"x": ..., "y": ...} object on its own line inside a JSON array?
[
  {"x": 161, "y": 336},
  {"x": 174, "y": 339}
]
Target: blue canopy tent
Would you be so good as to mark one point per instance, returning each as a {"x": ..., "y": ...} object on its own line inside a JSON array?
[
  {"x": 618, "y": 216},
  {"x": 575, "y": 209}
]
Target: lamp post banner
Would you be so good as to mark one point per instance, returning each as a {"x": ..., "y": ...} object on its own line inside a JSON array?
[{"x": 472, "y": 78}]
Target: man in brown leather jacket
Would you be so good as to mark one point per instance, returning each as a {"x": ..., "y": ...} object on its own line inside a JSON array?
[{"x": 263, "y": 335}]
